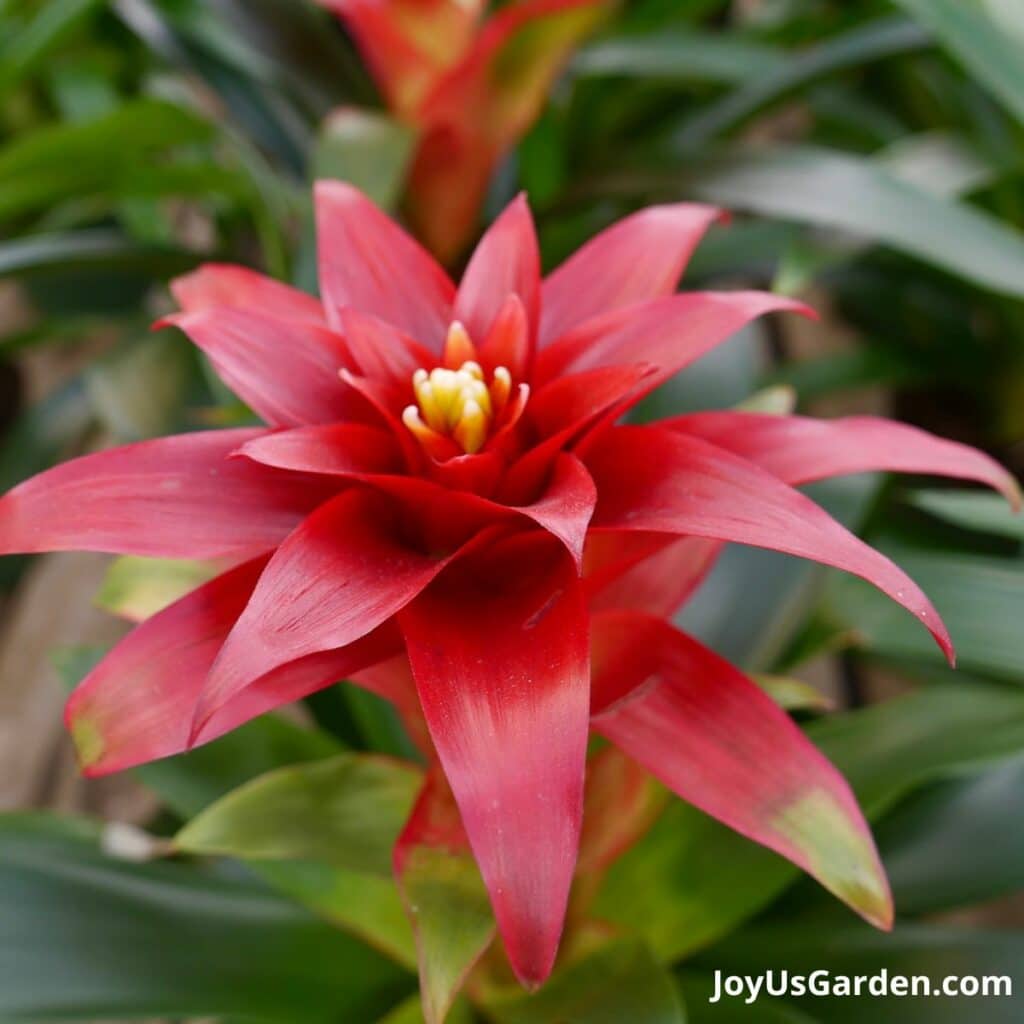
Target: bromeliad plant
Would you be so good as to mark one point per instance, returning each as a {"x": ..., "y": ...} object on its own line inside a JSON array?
[
  {"x": 444, "y": 508},
  {"x": 469, "y": 90}
]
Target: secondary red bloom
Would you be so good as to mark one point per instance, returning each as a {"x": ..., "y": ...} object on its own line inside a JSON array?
[
  {"x": 471, "y": 89},
  {"x": 442, "y": 486}
]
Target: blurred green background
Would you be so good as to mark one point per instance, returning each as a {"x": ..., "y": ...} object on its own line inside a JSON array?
[{"x": 873, "y": 153}]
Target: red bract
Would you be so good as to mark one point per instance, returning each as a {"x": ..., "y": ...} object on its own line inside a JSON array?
[
  {"x": 470, "y": 88},
  {"x": 442, "y": 486}
]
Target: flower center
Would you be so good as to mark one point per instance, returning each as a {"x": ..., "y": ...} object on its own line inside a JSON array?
[{"x": 456, "y": 407}]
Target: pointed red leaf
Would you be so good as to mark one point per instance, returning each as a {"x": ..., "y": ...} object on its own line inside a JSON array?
[
  {"x": 668, "y": 334},
  {"x": 714, "y": 738},
  {"x": 286, "y": 371},
  {"x": 499, "y": 649},
  {"x": 137, "y": 704},
  {"x": 506, "y": 262},
  {"x": 343, "y": 572},
  {"x": 637, "y": 259},
  {"x": 509, "y": 342},
  {"x": 384, "y": 354},
  {"x": 173, "y": 497},
  {"x": 567, "y": 504},
  {"x": 562, "y": 410},
  {"x": 563, "y": 506},
  {"x": 799, "y": 450},
  {"x": 336, "y": 449},
  {"x": 657, "y": 480},
  {"x": 224, "y": 284},
  {"x": 658, "y": 583},
  {"x": 564, "y": 405},
  {"x": 368, "y": 263}
]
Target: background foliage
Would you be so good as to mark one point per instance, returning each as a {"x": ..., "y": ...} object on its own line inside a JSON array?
[{"x": 874, "y": 154}]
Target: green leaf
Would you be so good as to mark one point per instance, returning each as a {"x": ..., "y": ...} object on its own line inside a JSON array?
[
  {"x": 111, "y": 155},
  {"x": 688, "y": 882},
  {"x": 693, "y": 880},
  {"x": 689, "y": 57},
  {"x": 98, "y": 249},
  {"x": 877, "y": 40},
  {"x": 980, "y": 598},
  {"x": 452, "y": 918},
  {"x": 53, "y": 23},
  {"x": 980, "y": 39},
  {"x": 368, "y": 149},
  {"x": 190, "y": 782},
  {"x": 955, "y": 843},
  {"x": 957, "y": 724},
  {"x": 368, "y": 906},
  {"x": 983, "y": 513},
  {"x": 802, "y": 183},
  {"x": 136, "y": 588},
  {"x": 792, "y": 694},
  {"x": 843, "y": 371},
  {"x": 84, "y": 937},
  {"x": 618, "y": 983},
  {"x": 347, "y": 811}
]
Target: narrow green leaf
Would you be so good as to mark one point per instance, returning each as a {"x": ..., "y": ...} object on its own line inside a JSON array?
[
  {"x": 981, "y": 599},
  {"x": 802, "y": 183},
  {"x": 979, "y": 38},
  {"x": 110, "y": 154},
  {"x": 54, "y": 22},
  {"x": 346, "y": 811},
  {"x": 983, "y": 513},
  {"x": 93, "y": 250},
  {"x": 877, "y": 40},
  {"x": 688, "y": 57},
  {"x": 954, "y": 843},
  {"x": 140, "y": 126}
]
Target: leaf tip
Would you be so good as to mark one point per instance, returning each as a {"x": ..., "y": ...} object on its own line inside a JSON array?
[{"x": 88, "y": 741}]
